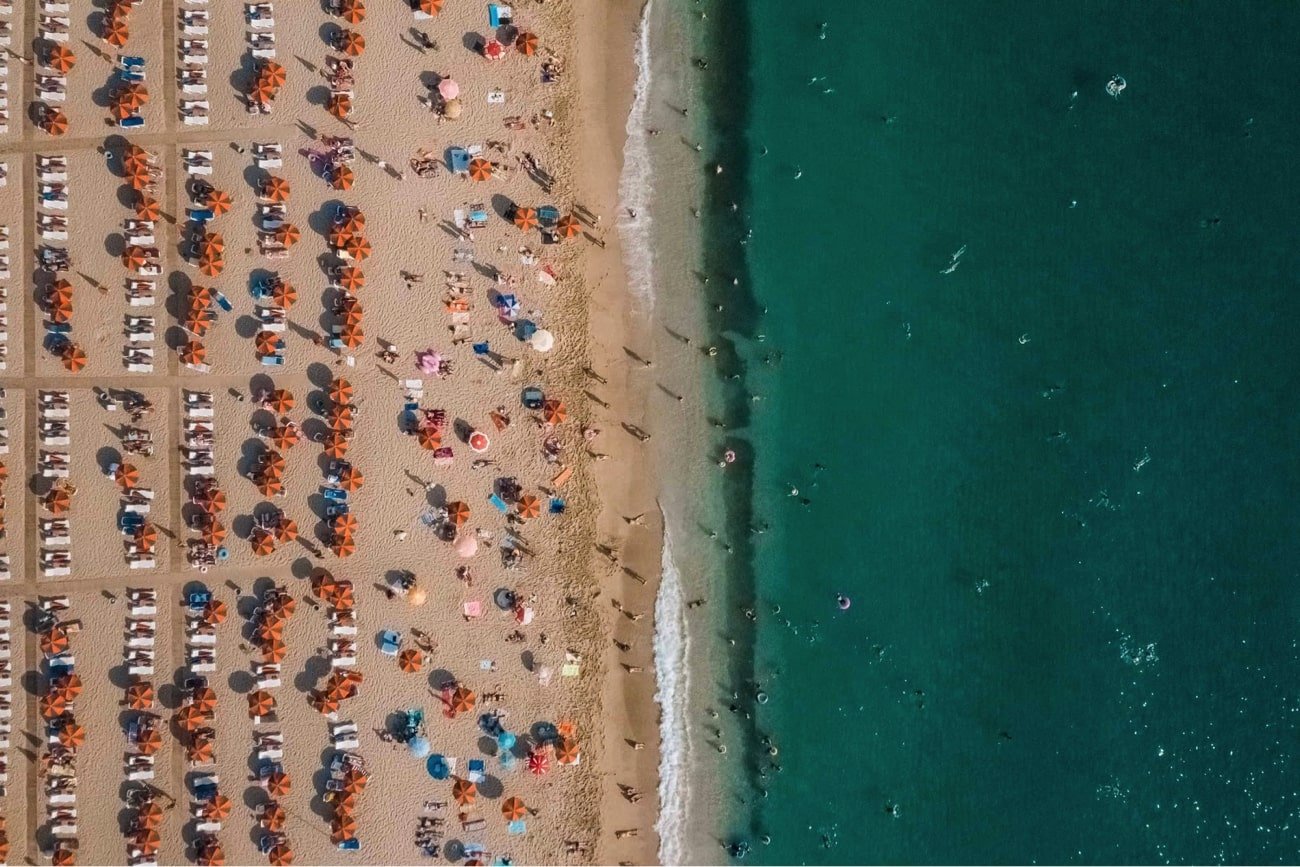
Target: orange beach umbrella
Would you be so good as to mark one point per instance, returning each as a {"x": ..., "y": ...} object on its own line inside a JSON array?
[{"x": 525, "y": 218}]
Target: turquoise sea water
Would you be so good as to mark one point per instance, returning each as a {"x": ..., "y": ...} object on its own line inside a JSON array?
[{"x": 1060, "y": 481}]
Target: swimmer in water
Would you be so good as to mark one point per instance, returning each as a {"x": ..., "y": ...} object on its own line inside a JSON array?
[
  {"x": 1024, "y": 338},
  {"x": 798, "y": 173}
]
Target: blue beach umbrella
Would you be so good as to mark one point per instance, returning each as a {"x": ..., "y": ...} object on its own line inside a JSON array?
[
  {"x": 506, "y": 740},
  {"x": 437, "y": 767},
  {"x": 419, "y": 747}
]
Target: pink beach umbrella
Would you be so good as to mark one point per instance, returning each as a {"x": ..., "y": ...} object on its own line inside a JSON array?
[
  {"x": 428, "y": 361},
  {"x": 478, "y": 441},
  {"x": 448, "y": 88}
]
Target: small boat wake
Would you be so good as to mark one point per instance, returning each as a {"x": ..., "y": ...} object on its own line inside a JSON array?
[{"x": 955, "y": 260}]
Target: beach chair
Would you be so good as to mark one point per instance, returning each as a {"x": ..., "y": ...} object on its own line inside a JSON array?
[{"x": 390, "y": 642}]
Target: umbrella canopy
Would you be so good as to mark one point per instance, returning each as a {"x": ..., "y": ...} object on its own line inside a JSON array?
[
  {"x": 339, "y": 105},
  {"x": 354, "y": 780},
  {"x": 215, "y": 611},
  {"x": 275, "y": 189},
  {"x": 430, "y": 438},
  {"x": 260, "y": 703},
  {"x": 72, "y": 735},
  {"x": 287, "y": 529},
  {"x": 358, "y": 248},
  {"x": 526, "y": 43},
  {"x": 262, "y": 92},
  {"x": 466, "y": 545},
  {"x": 553, "y": 411},
  {"x": 74, "y": 357},
  {"x": 60, "y": 58},
  {"x": 147, "y": 208},
  {"x": 263, "y": 542},
  {"x": 218, "y": 201},
  {"x": 266, "y": 343},
  {"x": 69, "y": 686},
  {"x": 513, "y": 808},
  {"x": 212, "y": 855},
  {"x": 150, "y": 815},
  {"x": 343, "y": 546},
  {"x": 218, "y": 808},
  {"x": 213, "y": 534},
  {"x": 201, "y": 751},
  {"x": 410, "y": 660},
  {"x": 134, "y": 258},
  {"x": 458, "y": 512},
  {"x": 525, "y": 218},
  {"x": 149, "y": 741},
  {"x": 64, "y": 857},
  {"x": 148, "y": 840},
  {"x": 58, "y": 501},
  {"x": 54, "y": 122},
  {"x": 344, "y": 827},
  {"x": 53, "y": 705},
  {"x": 351, "y": 278},
  {"x": 340, "y": 417},
  {"x": 528, "y": 507},
  {"x": 210, "y": 265},
  {"x": 462, "y": 700},
  {"x": 538, "y": 763},
  {"x": 285, "y": 436},
  {"x": 117, "y": 33},
  {"x": 272, "y": 73},
  {"x": 464, "y": 791},
  {"x": 280, "y": 855},
  {"x": 429, "y": 7},
  {"x": 204, "y": 698},
  {"x": 353, "y": 11},
  {"x": 146, "y": 535},
  {"x": 336, "y": 444},
  {"x": 277, "y": 784},
  {"x": 200, "y": 297},
  {"x": 452, "y": 109},
  {"x": 339, "y": 237},
  {"x": 351, "y": 479},
  {"x": 61, "y": 312},
  {"x": 493, "y": 50},
  {"x": 280, "y": 401},
  {"x": 288, "y": 234},
  {"x": 352, "y": 336},
  {"x": 199, "y": 322},
  {"x": 322, "y": 583},
  {"x": 274, "y": 650},
  {"x": 343, "y": 178},
  {"x": 341, "y": 391},
  {"x": 190, "y": 718},
  {"x": 211, "y": 243},
  {"x": 273, "y": 816},
  {"x": 480, "y": 169},
  {"x": 346, "y": 525},
  {"x": 448, "y": 88},
  {"x": 567, "y": 752},
  {"x": 212, "y": 501},
  {"x": 126, "y": 476},
  {"x": 351, "y": 43},
  {"x": 568, "y": 226},
  {"x": 327, "y": 704},
  {"x": 193, "y": 352},
  {"x": 140, "y": 695}
]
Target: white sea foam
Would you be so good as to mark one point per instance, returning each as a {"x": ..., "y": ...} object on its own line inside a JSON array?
[
  {"x": 634, "y": 185},
  {"x": 671, "y": 646}
]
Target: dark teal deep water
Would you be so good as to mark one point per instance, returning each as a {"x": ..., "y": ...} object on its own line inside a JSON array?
[{"x": 1056, "y": 652}]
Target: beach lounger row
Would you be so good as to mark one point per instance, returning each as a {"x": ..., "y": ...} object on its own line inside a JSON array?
[
  {"x": 6, "y": 693},
  {"x": 60, "y": 774},
  {"x": 55, "y": 431}
]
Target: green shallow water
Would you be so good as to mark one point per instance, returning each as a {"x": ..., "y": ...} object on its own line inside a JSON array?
[{"x": 1057, "y": 650}]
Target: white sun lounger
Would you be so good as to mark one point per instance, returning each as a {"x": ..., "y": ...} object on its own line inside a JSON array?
[{"x": 342, "y": 661}]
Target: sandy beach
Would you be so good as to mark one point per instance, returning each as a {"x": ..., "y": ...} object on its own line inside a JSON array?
[{"x": 571, "y": 131}]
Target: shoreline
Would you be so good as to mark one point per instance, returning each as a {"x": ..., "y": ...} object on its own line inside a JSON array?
[{"x": 606, "y": 34}]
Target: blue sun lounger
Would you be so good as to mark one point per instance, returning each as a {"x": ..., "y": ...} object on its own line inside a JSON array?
[{"x": 499, "y": 503}]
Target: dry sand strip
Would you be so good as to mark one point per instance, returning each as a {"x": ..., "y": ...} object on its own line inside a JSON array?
[{"x": 551, "y": 669}]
